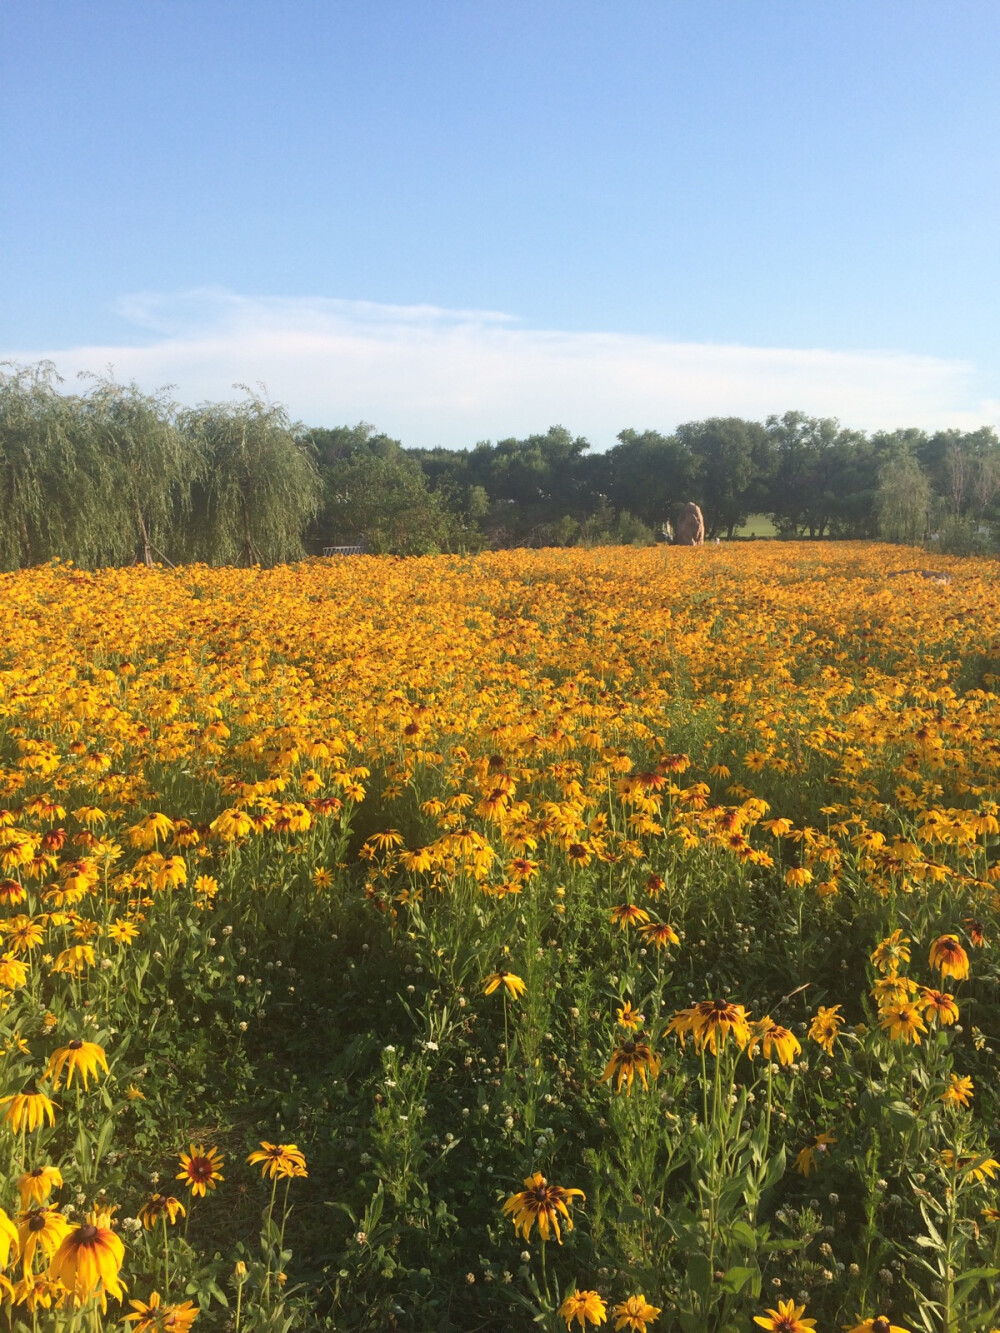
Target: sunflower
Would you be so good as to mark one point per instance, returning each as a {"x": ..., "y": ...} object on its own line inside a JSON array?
[
  {"x": 825, "y": 1027},
  {"x": 771, "y": 1037},
  {"x": 35, "y": 1186},
  {"x": 28, "y": 1110},
  {"x": 786, "y": 1319},
  {"x": 154, "y": 1317},
  {"x": 40, "y": 1228},
  {"x": 631, "y": 1058},
  {"x": 78, "y": 1057},
  {"x": 161, "y": 1205},
  {"x": 948, "y": 956},
  {"x": 540, "y": 1203},
  {"x": 583, "y": 1307},
  {"x": 88, "y": 1259},
  {"x": 635, "y": 1313},
  {"x": 279, "y": 1159},
  {"x": 200, "y": 1168},
  {"x": 512, "y": 984}
]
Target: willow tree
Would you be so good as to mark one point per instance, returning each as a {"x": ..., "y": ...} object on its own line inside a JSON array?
[
  {"x": 258, "y": 488},
  {"x": 146, "y": 468},
  {"x": 41, "y": 486}
]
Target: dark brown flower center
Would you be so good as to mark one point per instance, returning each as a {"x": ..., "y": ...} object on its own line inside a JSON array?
[
  {"x": 88, "y": 1234},
  {"x": 76, "y": 1044}
]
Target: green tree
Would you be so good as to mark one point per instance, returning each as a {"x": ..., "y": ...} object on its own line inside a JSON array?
[
  {"x": 730, "y": 456},
  {"x": 650, "y": 474},
  {"x": 904, "y": 497},
  {"x": 258, "y": 487}
]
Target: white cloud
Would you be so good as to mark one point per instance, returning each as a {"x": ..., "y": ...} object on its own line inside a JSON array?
[{"x": 435, "y": 376}]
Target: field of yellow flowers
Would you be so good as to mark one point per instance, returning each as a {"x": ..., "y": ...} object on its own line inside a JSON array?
[{"x": 556, "y": 939}]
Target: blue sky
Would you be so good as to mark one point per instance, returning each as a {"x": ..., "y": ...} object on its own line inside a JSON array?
[{"x": 466, "y": 220}]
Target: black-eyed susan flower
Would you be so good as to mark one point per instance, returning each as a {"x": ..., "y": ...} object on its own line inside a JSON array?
[
  {"x": 892, "y": 952},
  {"x": 200, "y": 1168},
  {"x": 958, "y": 1092},
  {"x": 82, "y": 1058},
  {"x": 279, "y": 1159},
  {"x": 629, "y": 1017},
  {"x": 28, "y": 1110},
  {"x": 825, "y": 1026},
  {"x": 805, "y": 1162},
  {"x": 583, "y": 1307},
  {"x": 88, "y": 1260},
  {"x": 159, "y": 1206},
  {"x": 903, "y": 1022},
  {"x": 40, "y": 1229},
  {"x": 540, "y": 1204},
  {"x": 153, "y": 1316},
  {"x": 711, "y": 1023},
  {"x": 786, "y": 1319},
  {"x": 636, "y": 1314},
  {"x": 876, "y": 1324},
  {"x": 628, "y": 914},
  {"x": 9, "y": 1239},
  {"x": 630, "y": 1058},
  {"x": 659, "y": 934},
  {"x": 948, "y": 956},
  {"x": 938, "y": 1006},
  {"x": 512, "y": 984},
  {"x": 979, "y": 1168},
  {"x": 36, "y": 1185},
  {"x": 773, "y": 1039}
]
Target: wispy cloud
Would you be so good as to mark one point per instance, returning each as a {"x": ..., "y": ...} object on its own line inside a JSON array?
[{"x": 437, "y": 376}]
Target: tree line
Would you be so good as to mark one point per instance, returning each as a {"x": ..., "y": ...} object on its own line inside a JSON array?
[{"x": 110, "y": 475}]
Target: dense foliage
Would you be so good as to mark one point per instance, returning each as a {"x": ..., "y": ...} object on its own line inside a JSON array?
[
  {"x": 561, "y": 934},
  {"x": 113, "y": 475}
]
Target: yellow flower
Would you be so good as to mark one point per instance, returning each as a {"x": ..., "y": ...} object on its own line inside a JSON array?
[
  {"x": 711, "y": 1023},
  {"x": 635, "y": 1313},
  {"x": 825, "y": 1027},
  {"x": 512, "y": 984},
  {"x": 938, "y": 1006},
  {"x": 583, "y": 1307},
  {"x": 797, "y": 878},
  {"x": 40, "y": 1228},
  {"x": 627, "y": 914},
  {"x": 28, "y": 1110},
  {"x": 159, "y": 1206},
  {"x": 155, "y": 1317},
  {"x": 805, "y": 1162},
  {"x": 279, "y": 1159},
  {"x": 629, "y": 1017},
  {"x": 541, "y": 1204},
  {"x": 786, "y": 1319},
  {"x": 631, "y": 1058},
  {"x": 891, "y": 952},
  {"x": 76, "y": 1057},
  {"x": 36, "y": 1185},
  {"x": 958, "y": 1092},
  {"x": 878, "y": 1324},
  {"x": 903, "y": 1022},
  {"x": 948, "y": 956},
  {"x": 9, "y": 1239},
  {"x": 659, "y": 934},
  {"x": 770, "y": 1037},
  {"x": 123, "y": 932},
  {"x": 979, "y": 1168},
  {"x": 88, "y": 1259},
  {"x": 200, "y": 1168}
]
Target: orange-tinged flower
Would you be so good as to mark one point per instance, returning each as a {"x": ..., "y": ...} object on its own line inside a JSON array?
[
  {"x": 540, "y": 1204},
  {"x": 773, "y": 1039},
  {"x": 948, "y": 956},
  {"x": 512, "y": 984},
  {"x": 826, "y": 1026},
  {"x": 159, "y": 1206},
  {"x": 88, "y": 1259},
  {"x": 659, "y": 934},
  {"x": 631, "y": 1058},
  {"x": 711, "y": 1023},
  {"x": 627, "y": 914},
  {"x": 805, "y": 1162},
  {"x": 938, "y": 1006},
  {"x": 583, "y": 1307},
  {"x": 200, "y": 1168},
  {"x": 958, "y": 1092}
]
